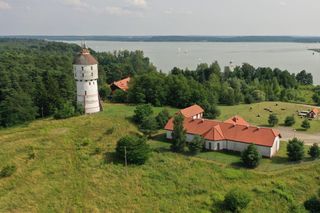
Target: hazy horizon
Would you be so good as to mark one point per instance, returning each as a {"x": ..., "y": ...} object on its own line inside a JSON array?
[{"x": 158, "y": 18}]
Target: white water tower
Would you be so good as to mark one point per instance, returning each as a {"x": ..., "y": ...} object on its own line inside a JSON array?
[{"x": 85, "y": 68}]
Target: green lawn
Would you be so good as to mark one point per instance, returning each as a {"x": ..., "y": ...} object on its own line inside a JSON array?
[
  {"x": 67, "y": 175},
  {"x": 258, "y": 116}
]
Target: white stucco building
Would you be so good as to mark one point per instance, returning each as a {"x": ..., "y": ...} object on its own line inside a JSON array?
[
  {"x": 234, "y": 134},
  {"x": 86, "y": 75}
]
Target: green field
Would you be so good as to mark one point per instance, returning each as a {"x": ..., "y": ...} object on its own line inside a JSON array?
[
  {"x": 281, "y": 109},
  {"x": 67, "y": 175}
]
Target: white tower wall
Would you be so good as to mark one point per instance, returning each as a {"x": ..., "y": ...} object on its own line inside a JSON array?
[{"x": 86, "y": 77}]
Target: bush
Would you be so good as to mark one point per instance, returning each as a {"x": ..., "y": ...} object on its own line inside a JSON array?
[
  {"x": 119, "y": 96},
  {"x": 7, "y": 171},
  {"x": 162, "y": 118},
  {"x": 149, "y": 126},
  {"x": 295, "y": 150},
  {"x": 305, "y": 124},
  {"x": 273, "y": 120},
  {"x": 313, "y": 205},
  {"x": 104, "y": 92},
  {"x": 196, "y": 145},
  {"x": 251, "y": 157},
  {"x": 212, "y": 112},
  {"x": 314, "y": 151},
  {"x": 65, "y": 111},
  {"x": 179, "y": 134},
  {"x": 142, "y": 112},
  {"x": 289, "y": 121},
  {"x": 236, "y": 200},
  {"x": 135, "y": 149}
]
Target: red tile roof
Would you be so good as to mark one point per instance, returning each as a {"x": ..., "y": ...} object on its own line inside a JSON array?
[
  {"x": 216, "y": 130},
  {"x": 191, "y": 111},
  {"x": 122, "y": 84},
  {"x": 237, "y": 120},
  {"x": 84, "y": 58},
  {"x": 315, "y": 111}
]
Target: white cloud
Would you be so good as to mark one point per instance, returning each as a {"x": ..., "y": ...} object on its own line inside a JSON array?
[
  {"x": 76, "y": 3},
  {"x": 172, "y": 11},
  {"x": 4, "y": 5},
  {"x": 117, "y": 11},
  {"x": 139, "y": 3}
]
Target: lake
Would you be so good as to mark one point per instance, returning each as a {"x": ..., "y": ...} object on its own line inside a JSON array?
[{"x": 293, "y": 57}]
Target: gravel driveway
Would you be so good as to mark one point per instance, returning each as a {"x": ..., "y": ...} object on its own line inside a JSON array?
[{"x": 288, "y": 133}]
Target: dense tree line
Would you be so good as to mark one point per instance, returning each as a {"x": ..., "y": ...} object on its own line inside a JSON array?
[{"x": 37, "y": 80}]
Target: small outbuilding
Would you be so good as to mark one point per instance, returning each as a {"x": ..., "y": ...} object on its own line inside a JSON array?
[
  {"x": 122, "y": 85},
  {"x": 195, "y": 112}
]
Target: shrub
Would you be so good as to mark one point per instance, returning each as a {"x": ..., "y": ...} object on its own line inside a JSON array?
[
  {"x": 162, "y": 118},
  {"x": 65, "y": 111},
  {"x": 196, "y": 145},
  {"x": 305, "y": 124},
  {"x": 104, "y": 92},
  {"x": 314, "y": 151},
  {"x": 236, "y": 200},
  {"x": 312, "y": 205},
  {"x": 251, "y": 157},
  {"x": 273, "y": 120},
  {"x": 149, "y": 126},
  {"x": 134, "y": 148},
  {"x": 141, "y": 112},
  {"x": 178, "y": 134},
  {"x": 7, "y": 171},
  {"x": 289, "y": 121},
  {"x": 295, "y": 150},
  {"x": 212, "y": 112},
  {"x": 119, "y": 96}
]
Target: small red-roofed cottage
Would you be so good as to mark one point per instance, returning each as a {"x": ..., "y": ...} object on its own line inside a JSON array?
[
  {"x": 313, "y": 113},
  {"x": 194, "y": 111},
  {"x": 235, "y": 134},
  {"x": 122, "y": 85}
]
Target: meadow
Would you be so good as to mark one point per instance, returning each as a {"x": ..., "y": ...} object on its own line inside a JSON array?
[{"x": 74, "y": 170}]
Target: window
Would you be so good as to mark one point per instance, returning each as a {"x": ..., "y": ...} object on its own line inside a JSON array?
[
  {"x": 92, "y": 74},
  {"x": 89, "y": 83},
  {"x": 82, "y": 74},
  {"x": 85, "y": 92},
  {"x": 91, "y": 67},
  {"x": 82, "y": 68}
]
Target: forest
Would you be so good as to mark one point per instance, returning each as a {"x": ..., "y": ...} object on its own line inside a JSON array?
[{"x": 37, "y": 80}]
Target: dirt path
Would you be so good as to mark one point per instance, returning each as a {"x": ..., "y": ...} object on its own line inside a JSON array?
[{"x": 288, "y": 133}]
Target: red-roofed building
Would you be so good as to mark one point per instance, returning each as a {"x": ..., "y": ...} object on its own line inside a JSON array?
[
  {"x": 230, "y": 135},
  {"x": 237, "y": 120},
  {"x": 194, "y": 111},
  {"x": 122, "y": 84},
  {"x": 313, "y": 113}
]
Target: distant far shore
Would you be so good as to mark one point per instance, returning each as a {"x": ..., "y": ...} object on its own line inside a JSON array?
[
  {"x": 315, "y": 50},
  {"x": 289, "y": 39}
]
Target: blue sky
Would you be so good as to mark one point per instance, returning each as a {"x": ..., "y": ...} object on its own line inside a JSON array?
[{"x": 160, "y": 17}]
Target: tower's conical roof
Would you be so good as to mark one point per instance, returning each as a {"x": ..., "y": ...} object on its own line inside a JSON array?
[{"x": 84, "y": 58}]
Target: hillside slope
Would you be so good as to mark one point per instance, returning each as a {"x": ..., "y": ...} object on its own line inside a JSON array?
[{"x": 68, "y": 174}]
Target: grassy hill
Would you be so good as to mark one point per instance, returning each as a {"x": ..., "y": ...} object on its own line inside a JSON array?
[
  {"x": 69, "y": 174},
  {"x": 256, "y": 114}
]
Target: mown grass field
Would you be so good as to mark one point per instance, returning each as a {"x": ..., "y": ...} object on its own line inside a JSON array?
[
  {"x": 281, "y": 109},
  {"x": 67, "y": 175}
]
